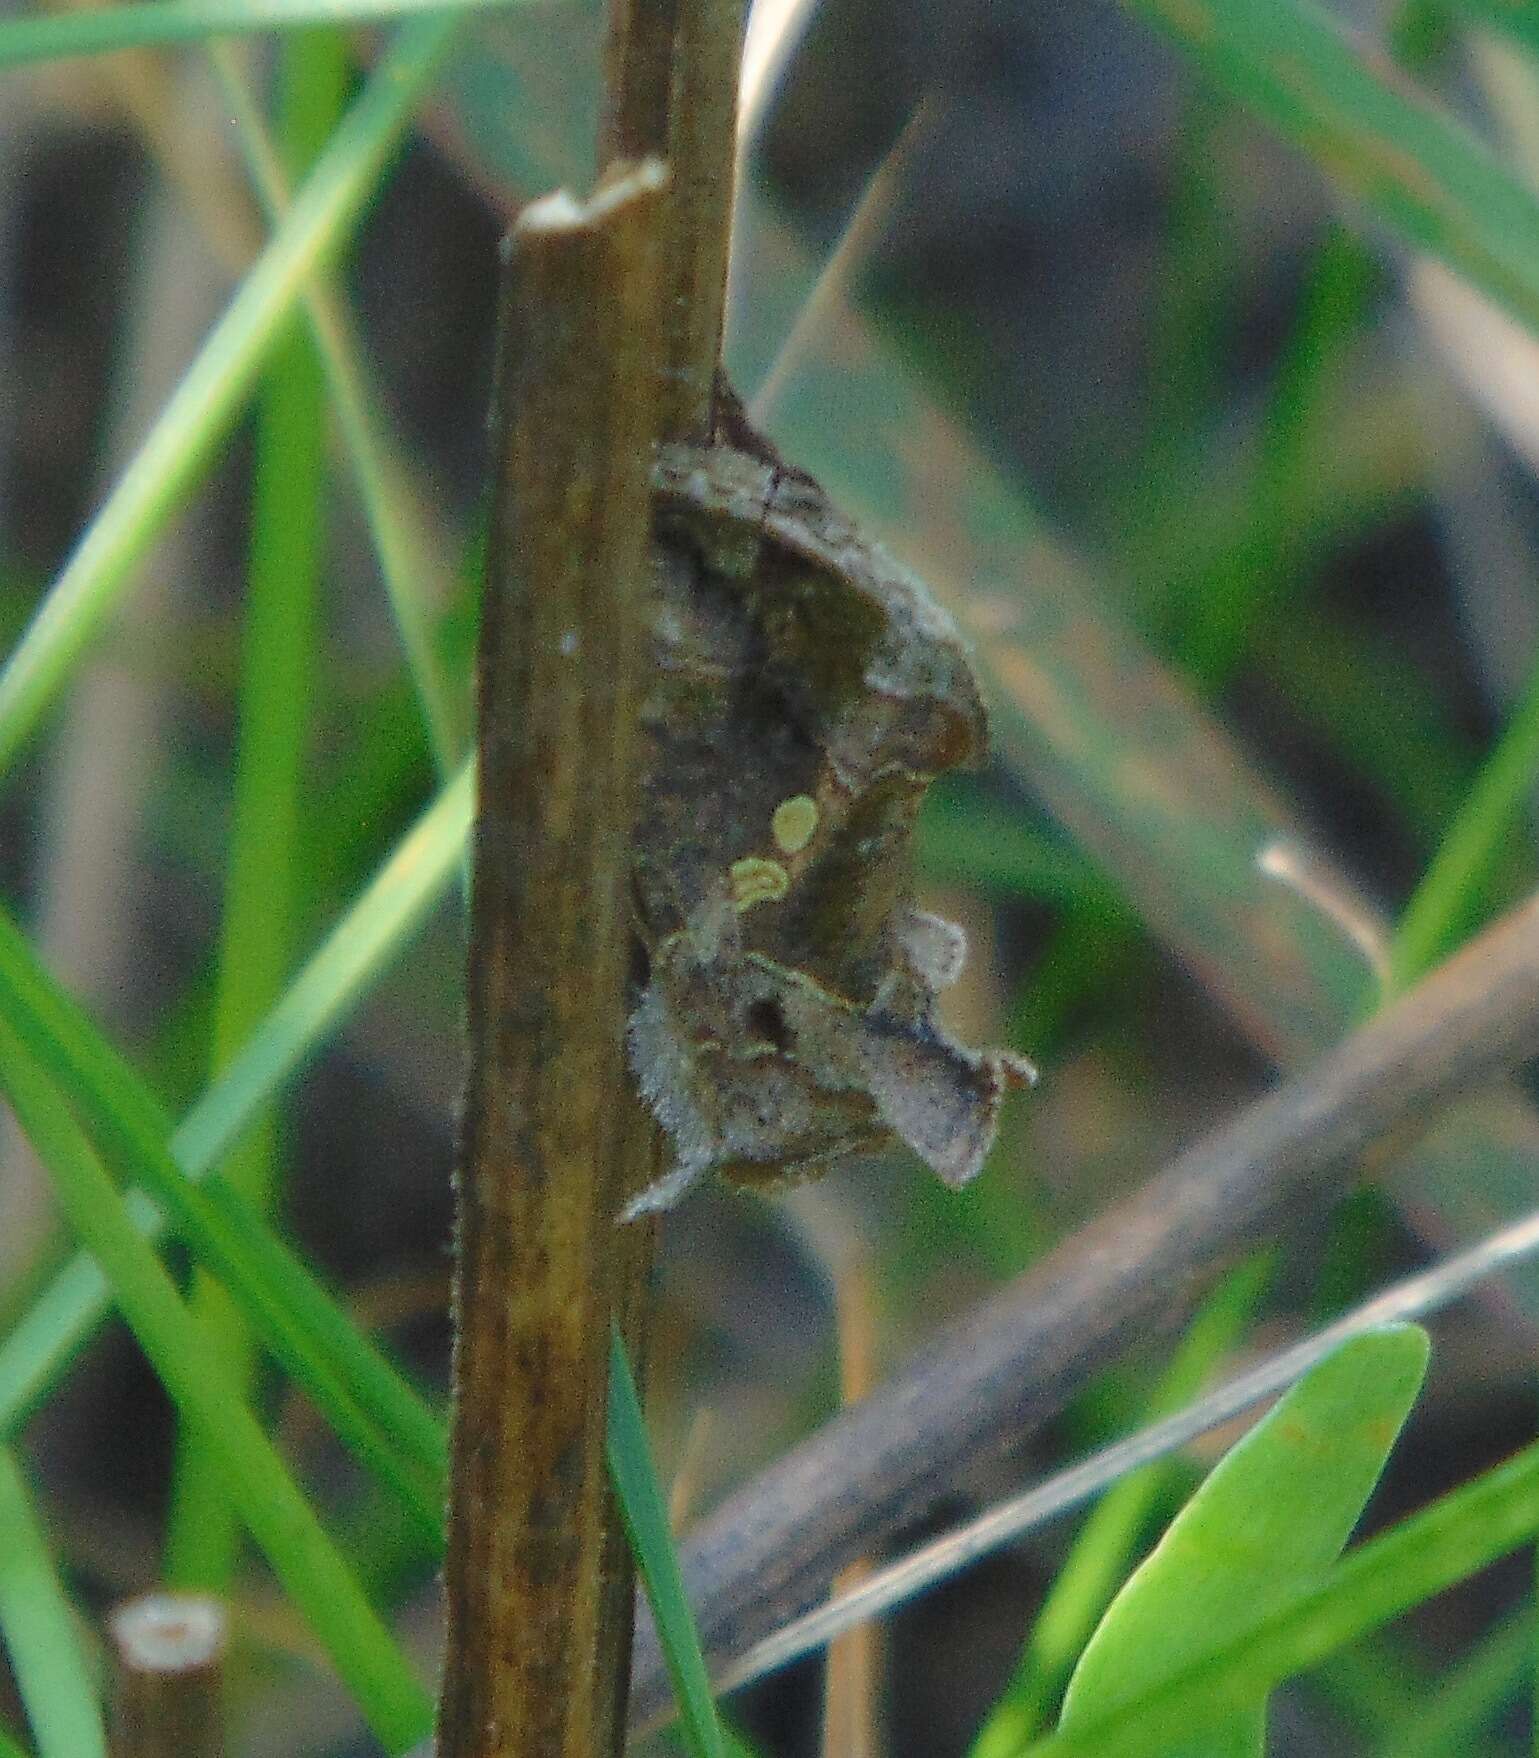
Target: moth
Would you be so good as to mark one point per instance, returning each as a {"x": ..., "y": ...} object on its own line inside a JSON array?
[{"x": 804, "y": 690}]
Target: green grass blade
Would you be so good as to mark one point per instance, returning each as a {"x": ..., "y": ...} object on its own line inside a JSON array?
[
  {"x": 1191, "y": 280},
  {"x": 1412, "y": 165},
  {"x": 1380, "y": 710},
  {"x": 1445, "y": 1718},
  {"x": 103, "y": 29},
  {"x": 1455, "y": 1538},
  {"x": 67, "y": 1313},
  {"x": 1446, "y": 1543},
  {"x": 213, "y": 391},
  {"x": 1454, "y": 888},
  {"x": 358, "y": 948},
  {"x": 277, "y": 1514},
  {"x": 1097, "y": 1563},
  {"x": 1270, "y": 1518},
  {"x": 40, "y": 1632},
  {"x": 1513, "y": 18},
  {"x": 1223, "y": 619},
  {"x": 384, "y": 488},
  {"x": 965, "y": 840},
  {"x": 1368, "y": 1685},
  {"x": 372, "y": 1409},
  {"x": 264, "y": 868},
  {"x": 646, "y": 1524}
]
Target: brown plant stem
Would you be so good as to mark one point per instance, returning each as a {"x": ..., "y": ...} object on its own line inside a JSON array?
[
  {"x": 990, "y": 1380},
  {"x": 638, "y": 78},
  {"x": 672, "y": 72},
  {"x": 667, "y": 59},
  {"x": 169, "y": 1696},
  {"x": 702, "y": 154},
  {"x": 532, "y": 1659}
]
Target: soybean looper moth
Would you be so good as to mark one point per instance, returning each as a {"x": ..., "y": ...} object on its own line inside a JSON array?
[{"x": 804, "y": 691}]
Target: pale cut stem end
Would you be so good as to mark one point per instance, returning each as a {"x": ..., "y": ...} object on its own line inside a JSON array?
[{"x": 170, "y": 1677}]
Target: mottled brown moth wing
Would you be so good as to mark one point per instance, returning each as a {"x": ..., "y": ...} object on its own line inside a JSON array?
[{"x": 805, "y": 691}]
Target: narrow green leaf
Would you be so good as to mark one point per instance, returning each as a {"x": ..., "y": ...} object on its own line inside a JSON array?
[
  {"x": 61, "y": 1320},
  {"x": 1367, "y": 1685},
  {"x": 1380, "y": 710},
  {"x": 1445, "y": 1717},
  {"x": 1098, "y": 1559},
  {"x": 1517, "y": 19},
  {"x": 1270, "y": 1516},
  {"x": 367, "y": 938},
  {"x": 387, "y": 494},
  {"x": 1411, "y": 163},
  {"x": 1446, "y": 1543},
  {"x": 372, "y": 1409},
  {"x": 264, "y": 868},
  {"x": 213, "y": 390},
  {"x": 734, "y": 1742},
  {"x": 962, "y": 839},
  {"x": 40, "y": 1632},
  {"x": 1453, "y": 890},
  {"x": 277, "y": 1514},
  {"x": 1225, "y": 617},
  {"x": 1270, "y": 1519},
  {"x": 646, "y": 1524},
  {"x": 103, "y": 29},
  {"x": 1191, "y": 281}
]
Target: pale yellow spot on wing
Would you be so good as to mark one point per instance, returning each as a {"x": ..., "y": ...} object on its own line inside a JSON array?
[
  {"x": 794, "y": 822},
  {"x": 755, "y": 880}
]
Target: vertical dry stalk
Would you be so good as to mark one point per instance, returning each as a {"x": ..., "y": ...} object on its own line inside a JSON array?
[
  {"x": 169, "y": 1698},
  {"x": 672, "y": 70},
  {"x": 531, "y": 1657},
  {"x": 539, "y": 1579},
  {"x": 702, "y": 151},
  {"x": 638, "y": 78},
  {"x": 666, "y": 60}
]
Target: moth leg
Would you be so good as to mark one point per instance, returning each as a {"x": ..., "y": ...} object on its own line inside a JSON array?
[{"x": 664, "y": 1192}]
